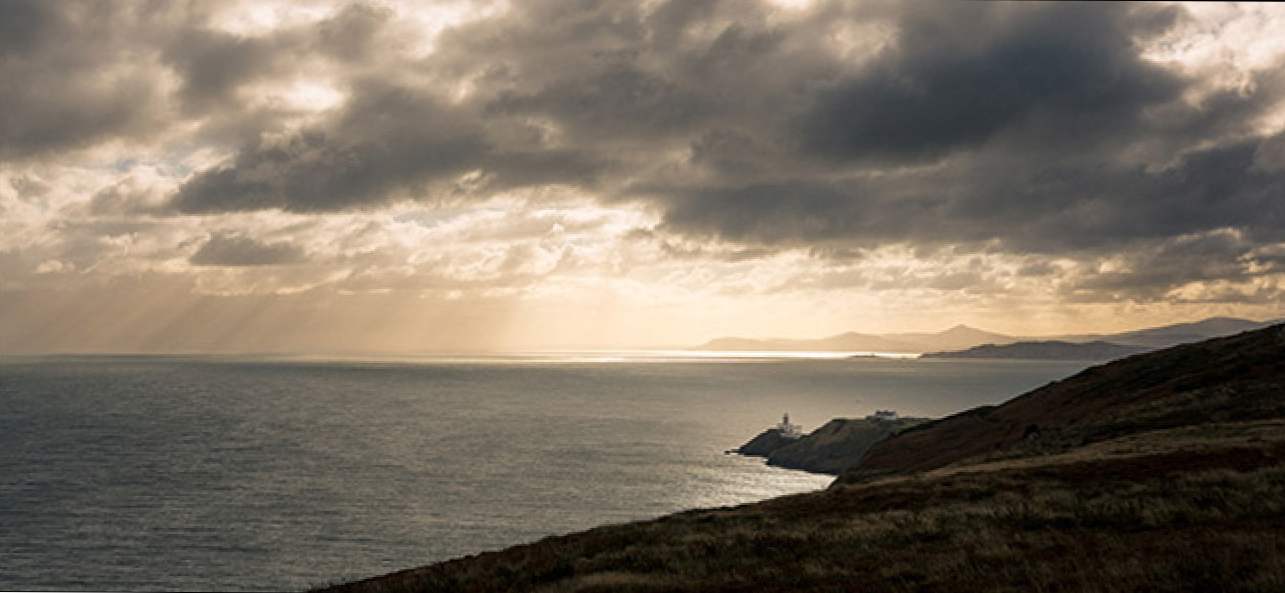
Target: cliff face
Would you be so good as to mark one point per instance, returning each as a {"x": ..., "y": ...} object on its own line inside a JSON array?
[
  {"x": 831, "y": 449},
  {"x": 1236, "y": 378},
  {"x": 765, "y": 443},
  {"x": 838, "y": 445}
]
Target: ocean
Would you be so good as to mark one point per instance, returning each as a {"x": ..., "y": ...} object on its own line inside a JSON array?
[{"x": 234, "y": 473}]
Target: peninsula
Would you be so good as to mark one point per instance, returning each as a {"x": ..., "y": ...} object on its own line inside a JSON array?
[{"x": 834, "y": 447}]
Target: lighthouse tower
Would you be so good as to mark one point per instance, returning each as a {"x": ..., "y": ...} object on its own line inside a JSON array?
[{"x": 787, "y": 429}]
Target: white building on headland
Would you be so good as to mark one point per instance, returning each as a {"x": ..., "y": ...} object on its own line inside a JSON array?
[
  {"x": 788, "y": 430},
  {"x": 882, "y": 416}
]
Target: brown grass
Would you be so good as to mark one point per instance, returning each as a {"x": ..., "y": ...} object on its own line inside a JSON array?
[{"x": 1192, "y": 509}]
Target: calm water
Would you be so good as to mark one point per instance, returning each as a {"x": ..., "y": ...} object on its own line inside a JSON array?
[{"x": 139, "y": 473}]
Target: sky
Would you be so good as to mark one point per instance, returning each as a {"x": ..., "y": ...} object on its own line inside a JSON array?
[{"x": 257, "y": 176}]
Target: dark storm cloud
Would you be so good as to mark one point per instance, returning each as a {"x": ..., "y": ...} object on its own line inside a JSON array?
[
  {"x": 1155, "y": 269},
  {"x": 961, "y": 74},
  {"x": 1057, "y": 137},
  {"x": 23, "y": 24},
  {"x": 1071, "y": 206},
  {"x": 234, "y": 250},
  {"x": 388, "y": 142},
  {"x": 387, "y": 139},
  {"x": 213, "y": 64},
  {"x": 618, "y": 100},
  {"x": 65, "y": 79},
  {"x": 582, "y": 67},
  {"x": 75, "y": 74},
  {"x": 350, "y": 34}
]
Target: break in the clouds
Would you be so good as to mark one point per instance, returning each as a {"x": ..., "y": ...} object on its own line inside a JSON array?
[{"x": 849, "y": 164}]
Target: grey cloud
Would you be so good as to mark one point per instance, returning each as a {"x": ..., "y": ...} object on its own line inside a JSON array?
[
  {"x": 1037, "y": 268},
  {"x": 1072, "y": 206},
  {"x": 350, "y": 34},
  {"x": 235, "y": 250},
  {"x": 618, "y": 101},
  {"x": 387, "y": 139},
  {"x": 388, "y": 142},
  {"x": 1156, "y": 270},
  {"x": 1070, "y": 69},
  {"x": 63, "y": 82},
  {"x": 78, "y": 73},
  {"x": 733, "y": 153},
  {"x": 23, "y": 24},
  {"x": 213, "y": 64}
]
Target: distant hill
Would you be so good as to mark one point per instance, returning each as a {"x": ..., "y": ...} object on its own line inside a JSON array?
[
  {"x": 1171, "y": 335},
  {"x": 955, "y": 338},
  {"x": 1181, "y": 333},
  {"x": 1046, "y": 350},
  {"x": 850, "y": 342},
  {"x": 960, "y": 336},
  {"x": 1225, "y": 379}
]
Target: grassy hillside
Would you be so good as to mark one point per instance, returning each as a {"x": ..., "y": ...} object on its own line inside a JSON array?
[
  {"x": 1185, "y": 492},
  {"x": 1240, "y": 377}
]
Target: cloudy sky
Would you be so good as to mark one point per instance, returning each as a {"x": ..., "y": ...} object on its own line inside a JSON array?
[{"x": 259, "y": 176}]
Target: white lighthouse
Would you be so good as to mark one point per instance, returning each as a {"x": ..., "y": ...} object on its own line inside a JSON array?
[{"x": 787, "y": 429}]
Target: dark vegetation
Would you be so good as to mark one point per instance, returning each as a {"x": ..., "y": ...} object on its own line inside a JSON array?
[
  {"x": 1241, "y": 377},
  {"x": 1162, "y": 472}
]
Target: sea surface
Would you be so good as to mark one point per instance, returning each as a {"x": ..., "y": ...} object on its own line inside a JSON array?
[{"x": 234, "y": 473}]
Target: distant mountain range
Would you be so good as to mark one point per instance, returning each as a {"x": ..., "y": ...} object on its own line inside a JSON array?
[{"x": 962, "y": 337}]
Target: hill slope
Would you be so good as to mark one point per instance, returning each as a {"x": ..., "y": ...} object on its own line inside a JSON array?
[
  {"x": 1184, "y": 510},
  {"x": 1235, "y": 378},
  {"x": 1048, "y": 350}
]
